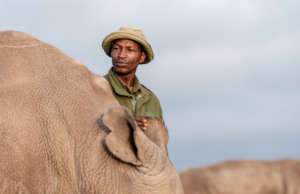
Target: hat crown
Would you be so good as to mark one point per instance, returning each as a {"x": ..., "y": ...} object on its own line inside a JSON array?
[
  {"x": 130, "y": 33},
  {"x": 132, "y": 30}
]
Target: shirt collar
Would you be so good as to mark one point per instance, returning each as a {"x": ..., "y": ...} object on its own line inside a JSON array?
[{"x": 120, "y": 88}]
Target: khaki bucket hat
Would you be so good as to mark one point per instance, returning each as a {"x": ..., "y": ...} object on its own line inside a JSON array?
[{"x": 131, "y": 33}]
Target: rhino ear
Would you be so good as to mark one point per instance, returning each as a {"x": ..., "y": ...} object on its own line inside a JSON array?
[{"x": 120, "y": 141}]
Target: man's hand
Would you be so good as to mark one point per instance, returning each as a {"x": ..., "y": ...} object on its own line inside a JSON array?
[{"x": 141, "y": 122}]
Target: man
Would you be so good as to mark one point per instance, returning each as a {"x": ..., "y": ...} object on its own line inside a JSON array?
[{"x": 129, "y": 48}]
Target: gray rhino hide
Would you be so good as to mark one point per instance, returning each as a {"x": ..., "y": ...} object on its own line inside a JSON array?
[
  {"x": 244, "y": 177},
  {"x": 62, "y": 131}
]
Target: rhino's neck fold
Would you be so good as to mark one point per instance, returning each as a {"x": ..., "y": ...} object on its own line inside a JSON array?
[{"x": 153, "y": 159}]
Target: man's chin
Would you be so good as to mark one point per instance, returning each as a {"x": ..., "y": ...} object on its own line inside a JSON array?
[{"x": 120, "y": 71}]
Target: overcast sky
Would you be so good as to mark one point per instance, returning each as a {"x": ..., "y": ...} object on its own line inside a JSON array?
[{"x": 227, "y": 72}]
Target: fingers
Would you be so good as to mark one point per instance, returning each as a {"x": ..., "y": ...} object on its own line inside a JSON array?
[
  {"x": 142, "y": 123},
  {"x": 140, "y": 119}
]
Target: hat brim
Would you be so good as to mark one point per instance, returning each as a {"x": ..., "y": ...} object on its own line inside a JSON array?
[{"x": 107, "y": 42}]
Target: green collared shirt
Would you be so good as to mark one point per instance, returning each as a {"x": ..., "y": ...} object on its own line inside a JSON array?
[{"x": 139, "y": 99}]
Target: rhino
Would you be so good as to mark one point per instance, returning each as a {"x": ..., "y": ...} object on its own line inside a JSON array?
[
  {"x": 62, "y": 131},
  {"x": 244, "y": 177}
]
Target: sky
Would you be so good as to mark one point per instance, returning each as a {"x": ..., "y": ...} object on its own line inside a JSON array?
[{"x": 227, "y": 72}]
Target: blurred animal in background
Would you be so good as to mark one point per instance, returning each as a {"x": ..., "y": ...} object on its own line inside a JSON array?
[
  {"x": 62, "y": 131},
  {"x": 244, "y": 177}
]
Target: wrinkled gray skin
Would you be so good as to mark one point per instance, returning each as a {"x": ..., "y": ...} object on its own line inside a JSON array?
[
  {"x": 61, "y": 130},
  {"x": 244, "y": 177}
]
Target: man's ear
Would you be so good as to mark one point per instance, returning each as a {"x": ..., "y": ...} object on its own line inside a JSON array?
[{"x": 142, "y": 58}]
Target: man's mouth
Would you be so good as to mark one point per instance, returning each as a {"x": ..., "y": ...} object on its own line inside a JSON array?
[{"x": 120, "y": 63}]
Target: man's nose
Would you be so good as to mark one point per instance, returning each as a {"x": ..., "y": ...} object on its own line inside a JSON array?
[{"x": 122, "y": 53}]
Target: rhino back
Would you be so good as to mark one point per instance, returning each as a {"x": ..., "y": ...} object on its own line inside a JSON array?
[
  {"x": 49, "y": 101},
  {"x": 253, "y": 177}
]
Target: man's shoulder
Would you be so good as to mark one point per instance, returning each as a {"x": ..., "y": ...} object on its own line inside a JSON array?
[{"x": 148, "y": 91}]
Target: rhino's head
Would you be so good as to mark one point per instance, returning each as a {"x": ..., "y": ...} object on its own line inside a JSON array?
[{"x": 139, "y": 160}]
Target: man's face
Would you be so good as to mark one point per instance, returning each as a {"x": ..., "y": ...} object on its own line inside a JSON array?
[{"x": 126, "y": 56}]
